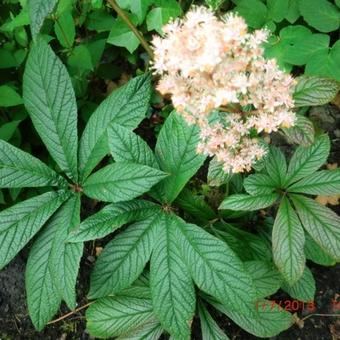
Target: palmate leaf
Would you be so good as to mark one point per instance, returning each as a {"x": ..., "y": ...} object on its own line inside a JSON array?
[
  {"x": 52, "y": 266},
  {"x": 215, "y": 268},
  {"x": 124, "y": 258},
  {"x": 302, "y": 133},
  {"x": 259, "y": 184},
  {"x": 121, "y": 181},
  {"x": 324, "y": 182},
  {"x": 276, "y": 166},
  {"x": 126, "y": 106},
  {"x": 19, "y": 223},
  {"x": 176, "y": 155},
  {"x": 119, "y": 315},
  {"x": 245, "y": 202},
  {"x": 65, "y": 257},
  {"x": 216, "y": 175},
  {"x": 288, "y": 240},
  {"x": 271, "y": 318},
  {"x": 307, "y": 160},
  {"x": 126, "y": 146},
  {"x": 316, "y": 254},
  {"x": 148, "y": 331},
  {"x": 50, "y": 101},
  {"x": 39, "y": 10},
  {"x": 19, "y": 169},
  {"x": 303, "y": 289},
  {"x": 311, "y": 91},
  {"x": 322, "y": 224},
  {"x": 209, "y": 327},
  {"x": 110, "y": 218},
  {"x": 172, "y": 289}
]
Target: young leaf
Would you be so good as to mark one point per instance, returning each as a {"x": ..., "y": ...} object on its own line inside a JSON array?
[
  {"x": 302, "y": 133},
  {"x": 126, "y": 146},
  {"x": 119, "y": 315},
  {"x": 176, "y": 155},
  {"x": 303, "y": 289},
  {"x": 121, "y": 182},
  {"x": 321, "y": 223},
  {"x": 19, "y": 169},
  {"x": 305, "y": 161},
  {"x": 65, "y": 257},
  {"x": 259, "y": 184},
  {"x": 209, "y": 328},
  {"x": 324, "y": 182},
  {"x": 172, "y": 290},
  {"x": 124, "y": 258},
  {"x": 110, "y": 218},
  {"x": 39, "y": 10},
  {"x": 49, "y": 99},
  {"x": 276, "y": 166},
  {"x": 271, "y": 319},
  {"x": 245, "y": 202},
  {"x": 43, "y": 297},
  {"x": 215, "y": 268},
  {"x": 288, "y": 240},
  {"x": 126, "y": 106},
  {"x": 216, "y": 175},
  {"x": 316, "y": 254},
  {"x": 312, "y": 91},
  {"x": 19, "y": 223},
  {"x": 266, "y": 279},
  {"x": 9, "y": 97}
]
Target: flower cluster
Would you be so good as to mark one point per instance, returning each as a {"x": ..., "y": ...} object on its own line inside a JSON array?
[{"x": 206, "y": 63}]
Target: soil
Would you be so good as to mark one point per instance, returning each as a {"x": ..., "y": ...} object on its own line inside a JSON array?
[{"x": 323, "y": 324}]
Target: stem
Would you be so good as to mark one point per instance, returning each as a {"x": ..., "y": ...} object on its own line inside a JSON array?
[
  {"x": 70, "y": 313},
  {"x": 133, "y": 28}
]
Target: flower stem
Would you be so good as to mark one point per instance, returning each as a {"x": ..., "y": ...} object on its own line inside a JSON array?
[{"x": 133, "y": 28}]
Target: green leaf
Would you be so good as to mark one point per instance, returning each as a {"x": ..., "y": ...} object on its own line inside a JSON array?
[
  {"x": 43, "y": 297},
  {"x": 306, "y": 160},
  {"x": 312, "y": 91},
  {"x": 215, "y": 268},
  {"x": 54, "y": 110},
  {"x": 266, "y": 279},
  {"x": 293, "y": 11},
  {"x": 320, "y": 14},
  {"x": 216, "y": 175},
  {"x": 140, "y": 8},
  {"x": 126, "y": 146},
  {"x": 65, "y": 30},
  {"x": 65, "y": 257},
  {"x": 124, "y": 258},
  {"x": 149, "y": 331},
  {"x": 159, "y": 16},
  {"x": 302, "y": 290},
  {"x": 302, "y": 133},
  {"x": 321, "y": 223},
  {"x": 121, "y": 182},
  {"x": 214, "y": 4},
  {"x": 121, "y": 35},
  {"x": 324, "y": 64},
  {"x": 324, "y": 182},
  {"x": 259, "y": 184},
  {"x": 316, "y": 254},
  {"x": 288, "y": 240},
  {"x": 19, "y": 169},
  {"x": 172, "y": 290},
  {"x": 126, "y": 106},
  {"x": 176, "y": 155},
  {"x": 7, "y": 130},
  {"x": 254, "y": 11},
  {"x": 19, "y": 223},
  {"x": 110, "y": 218},
  {"x": 99, "y": 21},
  {"x": 276, "y": 166},
  {"x": 209, "y": 328},
  {"x": 39, "y": 10},
  {"x": 9, "y": 97},
  {"x": 115, "y": 316},
  {"x": 271, "y": 320},
  {"x": 245, "y": 202},
  {"x": 277, "y": 9}
]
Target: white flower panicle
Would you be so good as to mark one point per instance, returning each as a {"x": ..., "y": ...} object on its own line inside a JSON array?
[{"x": 207, "y": 64}]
